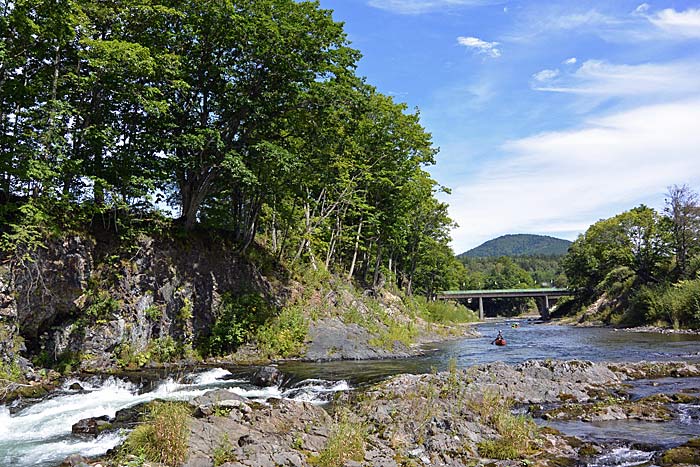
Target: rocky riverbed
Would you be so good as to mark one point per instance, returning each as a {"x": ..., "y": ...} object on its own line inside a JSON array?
[{"x": 482, "y": 415}]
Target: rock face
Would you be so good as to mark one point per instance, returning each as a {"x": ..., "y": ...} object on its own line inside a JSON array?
[
  {"x": 9, "y": 343},
  {"x": 257, "y": 435},
  {"x": 161, "y": 289},
  {"x": 331, "y": 339}
]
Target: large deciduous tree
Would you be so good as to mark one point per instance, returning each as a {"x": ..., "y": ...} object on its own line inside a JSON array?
[{"x": 683, "y": 210}]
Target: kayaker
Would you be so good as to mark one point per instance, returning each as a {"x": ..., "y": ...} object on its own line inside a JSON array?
[{"x": 499, "y": 337}]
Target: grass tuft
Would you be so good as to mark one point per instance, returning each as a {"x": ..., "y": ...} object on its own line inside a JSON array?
[
  {"x": 346, "y": 442},
  {"x": 164, "y": 435}
]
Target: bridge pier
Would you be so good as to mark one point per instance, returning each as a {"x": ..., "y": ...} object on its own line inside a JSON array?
[
  {"x": 545, "y": 310},
  {"x": 481, "y": 308}
]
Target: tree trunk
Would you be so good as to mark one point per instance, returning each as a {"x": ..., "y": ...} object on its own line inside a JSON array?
[
  {"x": 354, "y": 254},
  {"x": 377, "y": 265}
]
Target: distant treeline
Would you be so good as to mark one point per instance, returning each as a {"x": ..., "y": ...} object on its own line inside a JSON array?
[{"x": 244, "y": 116}]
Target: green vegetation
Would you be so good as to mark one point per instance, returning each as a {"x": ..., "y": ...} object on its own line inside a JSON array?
[
  {"x": 517, "y": 433},
  {"x": 519, "y": 245},
  {"x": 238, "y": 317},
  {"x": 163, "y": 435},
  {"x": 283, "y": 336},
  {"x": 645, "y": 264},
  {"x": 103, "y": 131},
  {"x": 444, "y": 312},
  {"x": 160, "y": 350},
  {"x": 224, "y": 452},
  {"x": 346, "y": 442}
]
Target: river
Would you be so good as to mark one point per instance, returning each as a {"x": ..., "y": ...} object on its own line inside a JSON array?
[{"x": 40, "y": 435}]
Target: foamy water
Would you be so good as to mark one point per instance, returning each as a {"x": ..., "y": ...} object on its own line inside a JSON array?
[{"x": 40, "y": 435}]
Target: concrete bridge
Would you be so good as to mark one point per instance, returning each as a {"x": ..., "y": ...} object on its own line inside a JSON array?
[{"x": 545, "y": 294}]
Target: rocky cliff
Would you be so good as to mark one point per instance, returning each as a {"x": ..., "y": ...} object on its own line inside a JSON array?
[
  {"x": 91, "y": 302},
  {"x": 95, "y": 302}
]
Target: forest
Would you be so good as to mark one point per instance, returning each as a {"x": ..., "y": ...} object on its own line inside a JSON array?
[
  {"x": 641, "y": 266},
  {"x": 244, "y": 117}
]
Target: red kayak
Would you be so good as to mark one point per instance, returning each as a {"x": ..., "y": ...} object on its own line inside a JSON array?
[{"x": 500, "y": 342}]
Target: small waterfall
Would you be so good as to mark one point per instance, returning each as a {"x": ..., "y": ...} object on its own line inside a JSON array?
[
  {"x": 40, "y": 435},
  {"x": 689, "y": 414},
  {"x": 622, "y": 457}
]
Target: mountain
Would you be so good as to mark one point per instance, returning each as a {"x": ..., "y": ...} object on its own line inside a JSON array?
[{"x": 520, "y": 245}]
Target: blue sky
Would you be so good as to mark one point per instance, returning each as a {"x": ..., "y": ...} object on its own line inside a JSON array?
[{"x": 549, "y": 115}]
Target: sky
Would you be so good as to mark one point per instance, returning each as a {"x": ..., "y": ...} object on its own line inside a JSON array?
[{"x": 549, "y": 115}]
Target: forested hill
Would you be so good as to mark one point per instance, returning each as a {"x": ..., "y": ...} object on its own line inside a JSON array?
[{"x": 520, "y": 245}]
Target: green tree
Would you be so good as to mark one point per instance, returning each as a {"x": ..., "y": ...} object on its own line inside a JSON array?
[{"x": 683, "y": 210}]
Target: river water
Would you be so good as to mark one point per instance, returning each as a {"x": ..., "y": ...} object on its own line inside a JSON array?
[{"x": 40, "y": 435}]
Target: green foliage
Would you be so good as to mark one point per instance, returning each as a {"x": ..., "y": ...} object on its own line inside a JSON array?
[
  {"x": 163, "y": 435},
  {"x": 395, "y": 331},
  {"x": 678, "y": 305},
  {"x": 630, "y": 258},
  {"x": 161, "y": 350},
  {"x": 517, "y": 433},
  {"x": 236, "y": 321},
  {"x": 111, "y": 87},
  {"x": 444, "y": 311},
  {"x": 154, "y": 313},
  {"x": 519, "y": 245},
  {"x": 185, "y": 312},
  {"x": 618, "y": 282},
  {"x": 10, "y": 372},
  {"x": 346, "y": 442},
  {"x": 165, "y": 349},
  {"x": 284, "y": 335},
  {"x": 637, "y": 239},
  {"x": 100, "y": 304},
  {"x": 224, "y": 452}
]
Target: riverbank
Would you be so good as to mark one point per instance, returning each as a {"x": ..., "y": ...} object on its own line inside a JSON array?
[
  {"x": 166, "y": 302},
  {"x": 466, "y": 417}
]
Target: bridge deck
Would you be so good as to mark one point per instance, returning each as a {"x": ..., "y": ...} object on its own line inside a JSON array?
[{"x": 503, "y": 293}]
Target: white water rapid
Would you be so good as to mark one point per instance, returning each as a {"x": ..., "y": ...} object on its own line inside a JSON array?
[{"x": 40, "y": 435}]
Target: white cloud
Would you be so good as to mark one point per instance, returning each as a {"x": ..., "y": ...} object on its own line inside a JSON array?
[
  {"x": 681, "y": 23},
  {"x": 481, "y": 46},
  {"x": 545, "y": 75},
  {"x": 570, "y": 61},
  {"x": 414, "y": 7},
  {"x": 560, "y": 182},
  {"x": 642, "y": 8},
  {"x": 596, "y": 77}
]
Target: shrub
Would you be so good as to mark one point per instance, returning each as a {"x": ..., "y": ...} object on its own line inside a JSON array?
[
  {"x": 163, "y": 437},
  {"x": 395, "y": 331},
  {"x": 237, "y": 319},
  {"x": 224, "y": 452},
  {"x": 518, "y": 433},
  {"x": 283, "y": 336},
  {"x": 444, "y": 311},
  {"x": 678, "y": 305},
  {"x": 101, "y": 304},
  {"x": 617, "y": 282},
  {"x": 346, "y": 442}
]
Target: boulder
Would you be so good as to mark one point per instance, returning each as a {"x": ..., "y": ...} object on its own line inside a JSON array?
[
  {"x": 216, "y": 397},
  {"x": 267, "y": 376},
  {"x": 90, "y": 426}
]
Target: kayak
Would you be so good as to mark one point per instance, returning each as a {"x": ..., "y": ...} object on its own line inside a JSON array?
[{"x": 500, "y": 342}]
